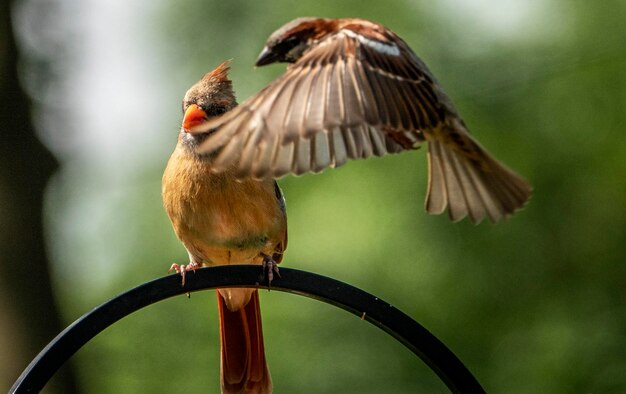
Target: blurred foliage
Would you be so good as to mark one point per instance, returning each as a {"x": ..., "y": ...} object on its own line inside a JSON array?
[{"x": 536, "y": 304}]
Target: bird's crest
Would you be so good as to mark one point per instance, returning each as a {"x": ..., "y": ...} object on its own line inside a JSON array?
[{"x": 220, "y": 74}]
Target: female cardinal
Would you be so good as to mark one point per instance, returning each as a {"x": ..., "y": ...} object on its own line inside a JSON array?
[{"x": 223, "y": 220}]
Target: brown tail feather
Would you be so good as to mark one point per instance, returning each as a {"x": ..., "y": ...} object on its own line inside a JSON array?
[
  {"x": 244, "y": 369},
  {"x": 463, "y": 177}
]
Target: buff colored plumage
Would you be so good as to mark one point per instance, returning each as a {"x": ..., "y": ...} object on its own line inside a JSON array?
[{"x": 222, "y": 220}]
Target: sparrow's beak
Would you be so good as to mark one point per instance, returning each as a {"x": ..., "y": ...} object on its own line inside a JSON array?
[
  {"x": 194, "y": 116},
  {"x": 267, "y": 56}
]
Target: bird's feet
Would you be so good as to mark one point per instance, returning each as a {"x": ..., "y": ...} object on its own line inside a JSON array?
[
  {"x": 270, "y": 267},
  {"x": 183, "y": 269}
]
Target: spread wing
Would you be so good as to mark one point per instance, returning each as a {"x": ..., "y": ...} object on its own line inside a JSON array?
[{"x": 348, "y": 97}]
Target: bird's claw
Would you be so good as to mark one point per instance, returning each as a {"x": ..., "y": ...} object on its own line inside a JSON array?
[
  {"x": 270, "y": 267},
  {"x": 183, "y": 269}
]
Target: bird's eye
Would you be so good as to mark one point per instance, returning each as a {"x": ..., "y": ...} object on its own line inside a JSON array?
[
  {"x": 288, "y": 44},
  {"x": 215, "y": 109}
]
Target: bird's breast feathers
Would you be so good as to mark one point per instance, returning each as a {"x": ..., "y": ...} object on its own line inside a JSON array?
[{"x": 217, "y": 210}]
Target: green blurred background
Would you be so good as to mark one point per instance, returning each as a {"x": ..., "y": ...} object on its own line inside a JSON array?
[{"x": 536, "y": 304}]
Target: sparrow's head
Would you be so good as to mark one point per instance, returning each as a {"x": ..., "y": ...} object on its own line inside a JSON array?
[
  {"x": 291, "y": 41},
  {"x": 209, "y": 97}
]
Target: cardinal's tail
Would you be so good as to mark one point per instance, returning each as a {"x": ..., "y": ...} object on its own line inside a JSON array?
[
  {"x": 244, "y": 369},
  {"x": 463, "y": 177}
]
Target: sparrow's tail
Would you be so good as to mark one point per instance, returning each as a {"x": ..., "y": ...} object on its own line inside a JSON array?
[
  {"x": 465, "y": 178},
  {"x": 244, "y": 369}
]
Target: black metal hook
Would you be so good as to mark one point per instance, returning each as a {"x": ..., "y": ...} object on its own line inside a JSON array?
[{"x": 376, "y": 311}]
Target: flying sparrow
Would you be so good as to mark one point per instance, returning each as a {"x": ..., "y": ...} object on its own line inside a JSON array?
[{"x": 355, "y": 89}]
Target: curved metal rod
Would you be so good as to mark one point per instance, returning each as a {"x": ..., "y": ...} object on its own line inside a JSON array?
[{"x": 368, "y": 307}]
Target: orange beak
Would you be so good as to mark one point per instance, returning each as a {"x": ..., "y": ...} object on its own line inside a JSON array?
[{"x": 194, "y": 116}]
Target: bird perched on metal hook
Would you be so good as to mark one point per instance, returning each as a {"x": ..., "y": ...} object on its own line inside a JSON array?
[{"x": 223, "y": 220}]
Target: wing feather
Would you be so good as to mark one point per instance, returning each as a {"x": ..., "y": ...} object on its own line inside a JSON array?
[
  {"x": 314, "y": 121},
  {"x": 352, "y": 148},
  {"x": 321, "y": 152},
  {"x": 300, "y": 102},
  {"x": 370, "y": 107},
  {"x": 335, "y": 112},
  {"x": 302, "y": 159},
  {"x": 338, "y": 147},
  {"x": 353, "y": 100},
  {"x": 283, "y": 159}
]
